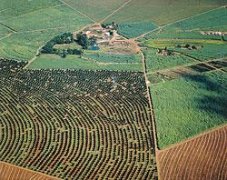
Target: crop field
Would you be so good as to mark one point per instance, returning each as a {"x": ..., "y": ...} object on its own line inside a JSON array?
[
  {"x": 188, "y": 86},
  {"x": 203, "y": 97},
  {"x": 103, "y": 89},
  {"x": 156, "y": 62},
  {"x": 161, "y": 11},
  {"x": 15, "y": 8},
  {"x": 15, "y": 172},
  {"x": 23, "y": 46},
  {"x": 114, "y": 58},
  {"x": 208, "y": 49},
  {"x": 131, "y": 30},
  {"x": 53, "y": 17},
  {"x": 73, "y": 124},
  {"x": 85, "y": 63},
  {"x": 96, "y": 9},
  {"x": 202, "y": 158}
]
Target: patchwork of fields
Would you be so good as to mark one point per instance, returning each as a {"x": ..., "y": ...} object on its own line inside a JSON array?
[{"x": 90, "y": 115}]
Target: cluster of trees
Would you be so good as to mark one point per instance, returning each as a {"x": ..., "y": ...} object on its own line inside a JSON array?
[
  {"x": 65, "y": 38},
  {"x": 113, "y": 26},
  {"x": 85, "y": 42}
]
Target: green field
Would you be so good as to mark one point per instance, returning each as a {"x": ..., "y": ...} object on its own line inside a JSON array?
[
  {"x": 207, "y": 49},
  {"x": 52, "y": 17},
  {"x": 75, "y": 62},
  {"x": 161, "y": 11},
  {"x": 156, "y": 62},
  {"x": 113, "y": 58},
  {"x": 188, "y": 106},
  {"x": 96, "y": 9},
  {"x": 23, "y": 46},
  {"x": 214, "y": 20},
  {"x": 15, "y": 8},
  {"x": 131, "y": 30}
]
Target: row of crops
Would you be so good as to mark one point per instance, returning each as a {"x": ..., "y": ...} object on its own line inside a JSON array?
[{"x": 76, "y": 124}]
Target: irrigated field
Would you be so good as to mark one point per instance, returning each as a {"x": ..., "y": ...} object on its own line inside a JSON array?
[
  {"x": 202, "y": 158},
  {"x": 76, "y": 124}
]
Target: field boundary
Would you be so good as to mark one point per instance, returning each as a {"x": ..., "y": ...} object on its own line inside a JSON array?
[
  {"x": 180, "y": 20},
  {"x": 115, "y": 11},
  {"x": 65, "y": 3},
  {"x": 210, "y": 130}
]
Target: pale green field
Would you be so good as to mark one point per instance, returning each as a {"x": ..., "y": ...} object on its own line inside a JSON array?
[
  {"x": 23, "y": 46},
  {"x": 96, "y": 9},
  {"x": 52, "y": 17},
  {"x": 161, "y": 11},
  {"x": 13, "y": 8},
  {"x": 75, "y": 62}
]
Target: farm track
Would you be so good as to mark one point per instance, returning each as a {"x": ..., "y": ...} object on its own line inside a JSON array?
[
  {"x": 63, "y": 2},
  {"x": 12, "y": 172},
  {"x": 114, "y": 12},
  {"x": 149, "y": 100},
  {"x": 161, "y": 27},
  {"x": 8, "y": 35},
  {"x": 200, "y": 158}
]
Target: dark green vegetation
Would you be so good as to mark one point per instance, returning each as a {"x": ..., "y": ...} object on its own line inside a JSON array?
[
  {"x": 72, "y": 124},
  {"x": 65, "y": 38},
  {"x": 189, "y": 86}
]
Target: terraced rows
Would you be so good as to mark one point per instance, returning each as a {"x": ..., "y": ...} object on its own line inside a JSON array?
[
  {"x": 77, "y": 124},
  {"x": 203, "y": 158}
]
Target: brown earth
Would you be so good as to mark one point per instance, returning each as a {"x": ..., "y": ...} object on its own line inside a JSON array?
[
  {"x": 11, "y": 172},
  {"x": 201, "y": 158}
]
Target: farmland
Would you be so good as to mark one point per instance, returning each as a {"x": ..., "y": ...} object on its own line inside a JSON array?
[
  {"x": 75, "y": 123},
  {"x": 203, "y": 158},
  {"x": 21, "y": 173},
  {"x": 104, "y": 89},
  {"x": 76, "y": 62},
  {"x": 188, "y": 87}
]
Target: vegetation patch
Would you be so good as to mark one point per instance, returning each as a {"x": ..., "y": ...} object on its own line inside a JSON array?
[
  {"x": 189, "y": 105},
  {"x": 135, "y": 29}
]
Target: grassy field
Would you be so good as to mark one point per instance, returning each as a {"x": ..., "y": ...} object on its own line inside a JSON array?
[
  {"x": 161, "y": 11},
  {"x": 3, "y": 31},
  {"x": 75, "y": 62},
  {"x": 96, "y": 9},
  {"x": 113, "y": 58},
  {"x": 155, "y": 61},
  {"x": 58, "y": 16},
  {"x": 207, "y": 49},
  {"x": 23, "y": 46},
  {"x": 131, "y": 30},
  {"x": 187, "y": 106},
  {"x": 214, "y": 20},
  {"x": 15, "y": 8},
  {"x": 35, "y": 28}
]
